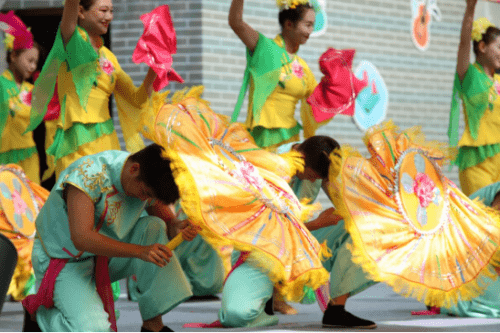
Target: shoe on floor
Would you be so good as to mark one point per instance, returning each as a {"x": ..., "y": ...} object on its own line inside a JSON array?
[
  {"x": 164, "y": 329},
  {"x": 337, "y": 316}
]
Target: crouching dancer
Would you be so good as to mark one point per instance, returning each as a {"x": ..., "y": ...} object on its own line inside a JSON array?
[{"x": 104, "y": 221}]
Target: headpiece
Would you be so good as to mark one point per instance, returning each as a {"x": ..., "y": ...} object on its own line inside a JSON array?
[
  {"x": 17, "y": 35},
  {"x": 290, "y": 4},
  {"x": 479, "y": 27}
]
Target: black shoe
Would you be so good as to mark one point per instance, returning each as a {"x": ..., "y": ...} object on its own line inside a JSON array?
[
  {"x": 30, "y": 325},
  {"x": 164, "y": 329},
  {"x": 269, "y": 307},
  {"x": 337, "y": 316},
  {"x": 205, "y": 298}
]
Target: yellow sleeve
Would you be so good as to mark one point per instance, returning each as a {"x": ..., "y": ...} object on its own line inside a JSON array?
[{"x": 308, "y": 122}]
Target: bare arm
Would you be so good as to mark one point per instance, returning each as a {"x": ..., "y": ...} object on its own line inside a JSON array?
[
  {"x": 463, "y": 57},
  {"x": 246, "y": 33},
  {"x": 81, "y": 225},
  {"x": 148, "y": 81},
  {"x": 325, "y": 219},
  {"x": 69, "y": 19}
]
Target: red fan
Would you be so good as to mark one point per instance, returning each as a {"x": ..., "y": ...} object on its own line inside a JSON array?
[{"x": 156, "y": 46}]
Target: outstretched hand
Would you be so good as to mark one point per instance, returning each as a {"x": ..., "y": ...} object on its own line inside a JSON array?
[{"x": 157, "y": 254}]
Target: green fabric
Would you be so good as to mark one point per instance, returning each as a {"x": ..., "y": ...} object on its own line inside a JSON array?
[
  {"x": 472, "y": 156},
  {"x": 346, "y": 277},
  {"x": 67, "y": 142},
  {"x": 265, "y": 137},
  {"x": 264, "y": 67},
  {"x": 162, "y": 288},
  {"x": 17, "y": 155},
  {"x": 246, "y": 291},
  {"x": 81, "y": 59},
  {"x": 487, "y": 305},
  {"x": 6, "y": 86},
  {"x": 474, "y": 91}
]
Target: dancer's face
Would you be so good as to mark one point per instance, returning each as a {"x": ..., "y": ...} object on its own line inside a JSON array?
[
  {"x": 97, "y": 18},
  {"x": 302, "y": 29},
  {"x": 491, "y": 52},
  {"x": 132, "y": 185},
  {"x": 25, "y": 62}
]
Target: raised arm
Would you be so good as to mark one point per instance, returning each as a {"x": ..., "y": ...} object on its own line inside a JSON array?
[
  {"x": 69, "y": 19},
  {"x": 463, "y": 57},
  {"x": 246, "y": 33}
]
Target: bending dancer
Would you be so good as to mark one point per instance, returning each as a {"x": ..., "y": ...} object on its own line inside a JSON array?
[
  {"x": 97, "y": 210},
  {"x": 477, "y": 86},
  {"x": 15, "y": 98},
  {"x": 346, "y": 278},
  {"x": 87, "y": 73},
  {"x": 278, "y": 77}
]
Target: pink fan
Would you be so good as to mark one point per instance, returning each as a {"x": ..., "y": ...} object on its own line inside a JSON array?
[
  {"x": 337, "y": 91},
  {"x": 11, "y": 24},
  {"x": 156, "y": 46}
]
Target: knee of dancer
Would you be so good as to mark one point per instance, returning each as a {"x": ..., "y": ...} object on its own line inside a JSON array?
[
  {"x": 155, "y": 230},
  {"x": 93, "y": 321},
  {"x": 239, "y": 314}
]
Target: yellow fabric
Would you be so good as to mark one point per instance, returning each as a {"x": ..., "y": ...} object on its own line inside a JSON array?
[
  {"x": 479, "y": 176},
  {"x": 260, "y": 215},
  {"x": 490, "y": 122},
  {"x": 437, "y": 251},
  {"x": 105, "y": 142},
  {"x": 279, "y": 109},
  {"x": 23, "y": 242},
  {"x": 130, "y": 101},
  {"x": 12, "y": 136},
  {"x": 31, "y": 167}
]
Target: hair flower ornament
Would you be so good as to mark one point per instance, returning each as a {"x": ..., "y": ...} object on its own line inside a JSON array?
[
  {"x": 290, "y": 4},
  {"x": 479, "y": 27}
]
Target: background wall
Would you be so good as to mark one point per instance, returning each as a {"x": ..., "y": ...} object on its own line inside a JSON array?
[{"x": 209, "y": 53}]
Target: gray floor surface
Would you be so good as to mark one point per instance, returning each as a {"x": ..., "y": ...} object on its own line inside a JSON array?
[{"x": 379, "y": 303}]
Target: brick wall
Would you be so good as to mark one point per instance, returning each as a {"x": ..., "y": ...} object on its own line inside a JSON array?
[{"x": 209, "y": 53}]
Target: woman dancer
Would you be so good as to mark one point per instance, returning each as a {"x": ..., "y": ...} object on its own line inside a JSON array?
[
  {"x": 87, "y": 73},
  {"x": 278, "y": 77},
  {"x": 16, "y": 146},
  {"x": 478, "y": 87}
]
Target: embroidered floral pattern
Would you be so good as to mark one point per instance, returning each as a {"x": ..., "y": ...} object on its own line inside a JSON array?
[
  {"x": 19, "y": 204},
  {"x": 246, "y": 172},
  {"x": 423, "y": 187},
  {"x": 297, "y": 69},
  {"x": 25, "y": 97},
  {"x": 106, "y": 65}
]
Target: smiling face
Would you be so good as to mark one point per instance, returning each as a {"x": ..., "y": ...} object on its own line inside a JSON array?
[
  {"x": 492, "y": 53},
  {"x": 303, "y": 28},
  {"x": 23, "y": 63},
  {"x": 97, "y": 18}
]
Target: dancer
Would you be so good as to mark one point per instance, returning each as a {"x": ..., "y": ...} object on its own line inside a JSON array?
[
  {"x": 411, "y": 227},
  {"x": 346, "y": 277},
  {"x": 15, "y": 98},
  {"x": 116, "y": 188},
  {"x": 239, "y": 194},
  {"x": 478, "y": 87},
  {"x": 87, "y": 73},
  {"x": 20, "y": 202},
  {"x": 277, "y": 76},
  {"x": 486, "y": 305}
]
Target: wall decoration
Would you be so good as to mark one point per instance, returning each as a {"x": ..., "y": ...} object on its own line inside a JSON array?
[
  {"x": 422, "y": 13},
  {"x": 371, "y": 103},
  {"x": 321, "y": 22}
]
